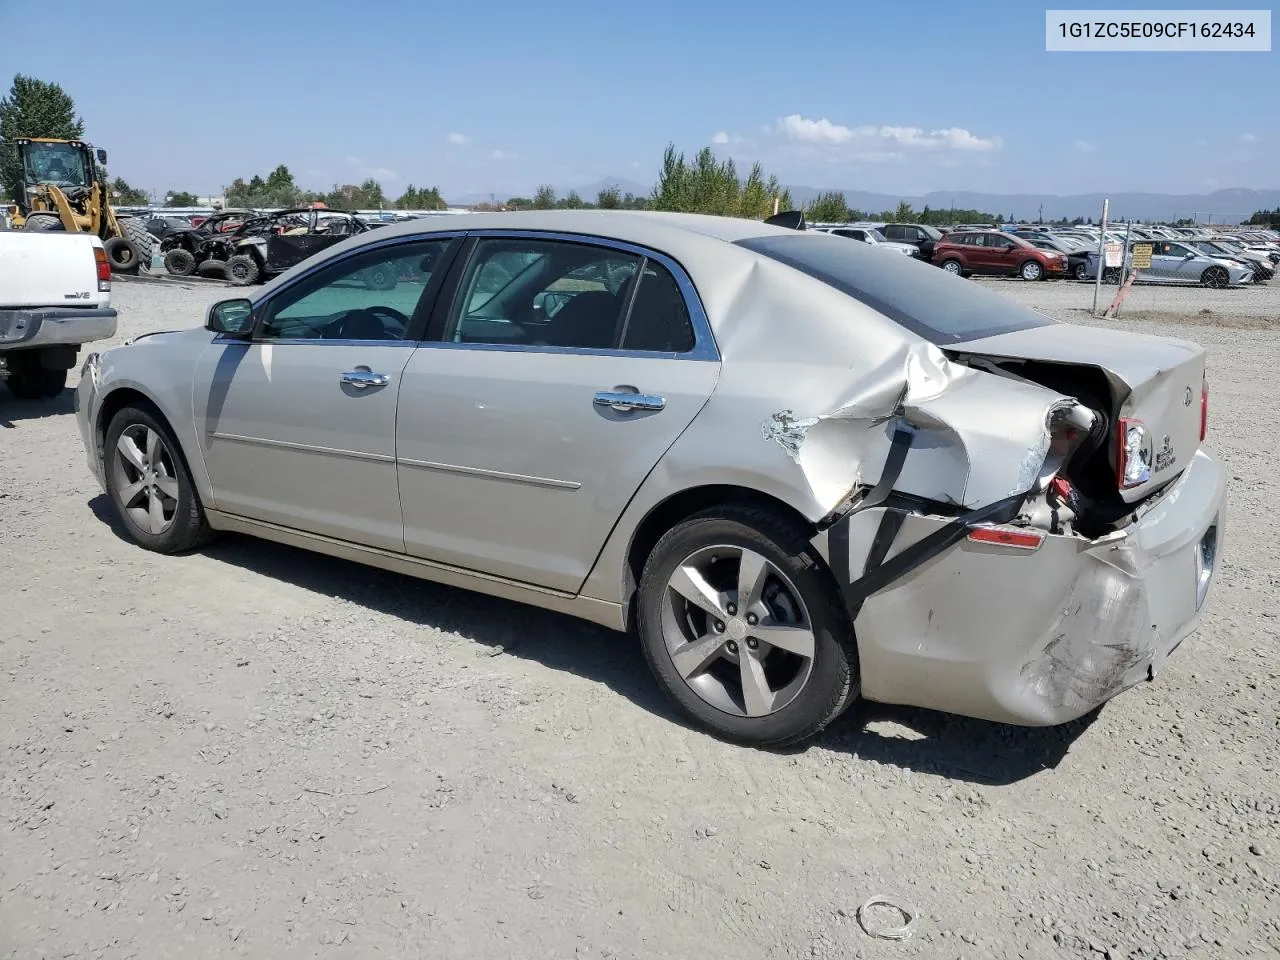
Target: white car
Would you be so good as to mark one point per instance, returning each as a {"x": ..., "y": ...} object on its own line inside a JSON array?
[{"x": 871, "y": 236}]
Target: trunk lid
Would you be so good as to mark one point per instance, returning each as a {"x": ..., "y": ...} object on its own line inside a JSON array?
[
  {"x": 49, "y": 270},
  {"x": 1156, "y": 380}
]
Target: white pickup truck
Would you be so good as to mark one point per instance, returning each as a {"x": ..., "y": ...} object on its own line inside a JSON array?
[{"x": 55, "y": 294}]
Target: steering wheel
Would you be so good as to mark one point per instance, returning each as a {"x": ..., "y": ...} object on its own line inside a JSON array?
[{"x": 376, "y": 313}]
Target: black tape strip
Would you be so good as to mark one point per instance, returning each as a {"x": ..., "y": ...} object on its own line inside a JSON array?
[
  {"x": 899, "y": 444},
  {"x": 922, "y": 551}
]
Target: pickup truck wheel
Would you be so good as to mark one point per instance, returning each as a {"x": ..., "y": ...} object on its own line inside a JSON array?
[
  {"x": 743, "y": 626},
  {"x": 149, "y": 484},
  {"x": 29, "y": 379}
]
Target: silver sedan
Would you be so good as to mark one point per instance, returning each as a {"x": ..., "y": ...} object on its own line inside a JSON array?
[{"x": 800, "y": 472}]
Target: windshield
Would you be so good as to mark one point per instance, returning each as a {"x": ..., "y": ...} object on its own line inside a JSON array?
[
  {"x": 917, "y": 296},
  {"x": 59, "y": 164},
  {"x": 879, "y": 236}
]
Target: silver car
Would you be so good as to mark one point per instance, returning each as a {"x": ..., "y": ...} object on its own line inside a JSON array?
[
  {"x": 870, "y": 236},
  {"x": 800, "y": 472}
]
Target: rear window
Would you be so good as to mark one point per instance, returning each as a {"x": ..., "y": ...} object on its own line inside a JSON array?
[{"x": 917, "y": 296}]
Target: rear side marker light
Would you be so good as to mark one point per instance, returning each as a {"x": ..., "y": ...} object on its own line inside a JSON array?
[{"x": 1007, "y": 537}]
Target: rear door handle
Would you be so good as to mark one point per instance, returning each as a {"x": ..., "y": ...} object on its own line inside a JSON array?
[
  {"x": 363, "y": 379},
  {"x": 629, "y": 400}
]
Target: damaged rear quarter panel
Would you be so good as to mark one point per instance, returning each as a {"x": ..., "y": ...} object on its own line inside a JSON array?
[{"x": 812, "y": 387}]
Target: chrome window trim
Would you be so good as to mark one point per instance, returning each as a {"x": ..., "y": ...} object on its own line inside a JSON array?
[
  {"x": 704, "y": 344},
  {"x": 316, "y": 341}
]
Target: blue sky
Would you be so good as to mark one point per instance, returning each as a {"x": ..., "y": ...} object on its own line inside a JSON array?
[{"x": 502, "y": 95}]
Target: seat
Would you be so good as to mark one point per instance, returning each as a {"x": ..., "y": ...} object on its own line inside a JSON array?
[{"x": 588, "y": 320}]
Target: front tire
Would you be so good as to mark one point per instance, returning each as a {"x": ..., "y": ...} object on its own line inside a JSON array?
[
  {"x": 1031, "y": 271},
  {"x": 180, "y": 262},
  {"x": 742, "y": 625},
  {"x": 953, "y": 267},
  {"x": 149, "y": 484},
  {"x": 1216, "y": 277},
  {"x": 43, "y": 222},
  {"x": 1082, "y": 271}
]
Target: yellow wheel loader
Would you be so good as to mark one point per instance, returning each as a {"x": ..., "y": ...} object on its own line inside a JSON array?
[{"x": 62, "y": 189}]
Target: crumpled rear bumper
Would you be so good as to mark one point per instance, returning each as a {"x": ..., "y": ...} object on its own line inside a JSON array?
[{"x": 1039, "y": 637}]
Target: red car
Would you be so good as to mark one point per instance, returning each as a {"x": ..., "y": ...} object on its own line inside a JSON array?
[{"x": 965, "y": 252}]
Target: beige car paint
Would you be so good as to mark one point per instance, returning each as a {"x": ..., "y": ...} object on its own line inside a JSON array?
[{"x": 800, "y": 407}]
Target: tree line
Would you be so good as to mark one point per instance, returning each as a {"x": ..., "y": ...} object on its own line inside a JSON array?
[{"x": 1265, "y": 218}]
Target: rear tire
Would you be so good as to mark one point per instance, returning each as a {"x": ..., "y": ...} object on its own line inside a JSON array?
[
  {"x": 136, "y": 232},
  {"x": 180, "y": 262},
  {"x": 163, "y": 475},
  {"x": 122, "y": 255},
  {"x": 242, "y": 270},
  {"x": 43, "y": 223},
  {"x": 811, "y": 679},
  {"x": 28, "y": 378}
]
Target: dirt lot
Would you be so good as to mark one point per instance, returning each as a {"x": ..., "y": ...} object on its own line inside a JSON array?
[{"x": 258, "y": 752}]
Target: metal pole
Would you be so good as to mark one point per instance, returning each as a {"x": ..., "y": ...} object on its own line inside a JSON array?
[{"x": 1102, "y": 255}]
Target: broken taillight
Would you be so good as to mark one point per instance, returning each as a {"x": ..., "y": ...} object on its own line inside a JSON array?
[
  {"x": 1133, "y": 453},
  {"x": 1007, "y": 537},
  {"x": 104, "y": 269},
  {"x": 1204, "y": 407}
]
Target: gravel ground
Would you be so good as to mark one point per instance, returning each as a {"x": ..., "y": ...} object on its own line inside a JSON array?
[{"x": 258, "y": 752}]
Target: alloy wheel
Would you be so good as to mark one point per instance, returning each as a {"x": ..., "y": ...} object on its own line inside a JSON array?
[
  {"x": 951, "y": 267},
  {"x": 146, "y": 482},
  {"x": 737, "y": 631}
]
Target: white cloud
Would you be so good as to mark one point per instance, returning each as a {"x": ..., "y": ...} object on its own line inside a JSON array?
[
  {"x": 1248, "y": 138},
  {"x": 458, "y": 139},
  {"x": 502, "y": 155},
  {"x": 720, "y": 137},
  {"x": 1084, "y": 146},
  {"x": 881, "y": 142},
  {"x": 1210, "y": 181}
]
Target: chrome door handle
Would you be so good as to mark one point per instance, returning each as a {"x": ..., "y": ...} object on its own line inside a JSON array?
[
  {"x": 625, "y": 400},
  {"x": 363, "y": 379}
]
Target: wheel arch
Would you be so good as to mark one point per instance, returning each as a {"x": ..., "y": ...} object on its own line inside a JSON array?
[
  {"x": 678, "y": 507},
  {"x": 127, "y": 395}
]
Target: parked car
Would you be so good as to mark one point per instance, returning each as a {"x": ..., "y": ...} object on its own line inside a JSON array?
[
  {"x": 998, "y": 254},
  {"x": 1174, "y": 262},
  {"x": 920, "y": 235},
  {"x": 802, "y": 471},
  {"x": 871, "y": 236},
  {"x": 161, "y": 225},
  {"x": 1075, "y": 250},
  {"x": 1263, "y": 269},
  {"x": 186, "y": 251},
  {"x": 275, "y": 243}
]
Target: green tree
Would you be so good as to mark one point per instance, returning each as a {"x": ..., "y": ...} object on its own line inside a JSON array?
[
  {"x": 904, "y": 213},
  {"x": 830, "y": 207},
  {"x": 427, "y": 198},
  {"x": 1264, "y": 218},
  {"x": 33, "y": 108},
  {"x": 126, "y": 196},
  {"x": 372, "y": 196},
  {"x": 545, "y": 198},
  {"x": 182, "y": 198},
  {"x": 519, "y": 203},
  {"x": 608, "y": 199},
  {"x": 572, "y": 201}
]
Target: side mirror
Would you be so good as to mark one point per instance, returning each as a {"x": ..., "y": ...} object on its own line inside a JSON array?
[
  {"x": 102, "y": 156},
  {"x": 232, "y": 318},
  {"x": 1189, "y": 256}
]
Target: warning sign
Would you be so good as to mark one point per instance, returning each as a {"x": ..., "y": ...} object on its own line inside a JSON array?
[
  {"x": 1114, "y": 254},
  {"x": 1142, "y": 256}
]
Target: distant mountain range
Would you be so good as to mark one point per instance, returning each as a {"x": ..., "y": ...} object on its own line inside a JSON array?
[{"x": 1224, "y": 206}]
